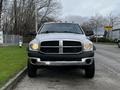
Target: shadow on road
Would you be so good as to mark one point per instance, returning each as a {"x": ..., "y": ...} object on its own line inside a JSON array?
[{"x": 64, "y": 73}]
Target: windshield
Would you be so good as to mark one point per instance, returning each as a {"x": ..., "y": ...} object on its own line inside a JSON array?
[{"x": 61, "y": 28}]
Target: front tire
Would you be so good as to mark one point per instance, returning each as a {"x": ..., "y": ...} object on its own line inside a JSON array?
[
  {"x": 90, "y": 71},
  {"x": 31, "y": 69}
]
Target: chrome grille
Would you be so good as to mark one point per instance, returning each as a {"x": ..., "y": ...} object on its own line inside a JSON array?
[{"x": 60, "y": 47}]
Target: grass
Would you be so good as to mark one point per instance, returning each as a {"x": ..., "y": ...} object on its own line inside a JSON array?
[{"x": 12, "y": 60}]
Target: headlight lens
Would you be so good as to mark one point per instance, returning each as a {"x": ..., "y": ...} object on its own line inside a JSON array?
[
  {"x": 34, "y": 46},
  {"x": 88, "y": 47}
]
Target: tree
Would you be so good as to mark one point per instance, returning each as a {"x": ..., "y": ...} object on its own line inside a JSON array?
[
  {"x": 1, "y": 3},
  {"x": 87, "y": 26},
  {"x": 112, "y": 20},
  {"x": 20, "y": 14},
  {"x": 47, "y": 8}
]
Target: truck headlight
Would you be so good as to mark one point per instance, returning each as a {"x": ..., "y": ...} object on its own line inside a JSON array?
[
  {"x": 88, "y": 47},
  {"x": 34, "y": 46}
]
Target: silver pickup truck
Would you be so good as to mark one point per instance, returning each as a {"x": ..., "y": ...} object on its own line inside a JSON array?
[{"x": 61, "y": 45}]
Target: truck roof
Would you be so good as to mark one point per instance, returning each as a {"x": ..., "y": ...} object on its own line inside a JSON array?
[{"x": 58, "y": 23}]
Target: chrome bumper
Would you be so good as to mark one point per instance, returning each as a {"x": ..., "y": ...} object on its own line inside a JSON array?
[{"x": 83, "y": 61}]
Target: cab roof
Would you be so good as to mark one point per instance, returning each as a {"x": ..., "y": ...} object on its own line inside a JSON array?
[{"x": 58, "y": 23}]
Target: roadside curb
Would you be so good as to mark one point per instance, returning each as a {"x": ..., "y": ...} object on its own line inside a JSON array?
[{"x": 13, "y": 81}]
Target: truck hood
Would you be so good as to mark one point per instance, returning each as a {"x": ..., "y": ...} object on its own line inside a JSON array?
[{"x": 61, "y": 36}]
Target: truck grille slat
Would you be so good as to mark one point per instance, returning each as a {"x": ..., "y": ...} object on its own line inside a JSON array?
[
  {"x": 60, "y": 47},
  {"x": 50, "y": 43},
  {"x": 50, "y": 50},
  {"x": 73, "y": 50},
  {"x": 71, "y": 43}
]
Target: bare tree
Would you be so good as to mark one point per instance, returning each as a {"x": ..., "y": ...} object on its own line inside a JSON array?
[
  {"x": 97, "y": 22},
  {"x": 47, "y": 8},
  {"x": 19, "y": 15},
  {"x": 87, "y": 26},
  {"x": 111, "y": 21},
  {"x": 1, "y": 3}
]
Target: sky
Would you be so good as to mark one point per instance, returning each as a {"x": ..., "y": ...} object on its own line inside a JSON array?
[{"x": 88, "y": 8}]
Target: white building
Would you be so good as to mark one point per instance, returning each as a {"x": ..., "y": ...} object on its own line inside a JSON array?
[
  {"x": 115, "y": 34},
  {"x": 1, "y": 37}
]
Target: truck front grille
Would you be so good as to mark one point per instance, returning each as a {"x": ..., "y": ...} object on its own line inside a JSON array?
[
  {"x": 71, "y": 43},
  {"x": 50, "y": 43},
  {"x": 49, "y": 47},
  {"x": 60, "y": 47}
]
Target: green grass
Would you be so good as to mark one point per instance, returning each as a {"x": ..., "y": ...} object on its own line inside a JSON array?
[{"x": 12, "y": 60}]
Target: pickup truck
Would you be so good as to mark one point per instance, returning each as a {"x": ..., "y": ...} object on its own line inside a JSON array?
[{"x": 61, "y": 45}]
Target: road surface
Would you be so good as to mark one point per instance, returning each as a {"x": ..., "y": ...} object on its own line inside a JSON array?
[{"x": 107, "y": 74}]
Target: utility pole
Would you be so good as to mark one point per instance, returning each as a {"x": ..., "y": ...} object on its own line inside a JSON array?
[
  {"x": 36, "y": 17},
  {"x": 96, "y": 34},
  {"x": 97, "y": 24}
]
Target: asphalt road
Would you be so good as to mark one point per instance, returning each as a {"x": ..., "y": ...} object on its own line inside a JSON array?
[{"x": 107, "y": 75}]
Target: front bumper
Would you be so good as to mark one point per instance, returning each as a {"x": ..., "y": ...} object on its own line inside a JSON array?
[
  {"x": 82, "y": 59},
  {"x": 60, "y": 56}
]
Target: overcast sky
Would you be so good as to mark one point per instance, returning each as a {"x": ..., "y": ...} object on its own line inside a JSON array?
[{"x": 87, "y": 8}]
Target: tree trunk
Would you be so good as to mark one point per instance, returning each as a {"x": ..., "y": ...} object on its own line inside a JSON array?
[
  {"x": 15, "y": 16},
  {"x": 1, "y": 2}
]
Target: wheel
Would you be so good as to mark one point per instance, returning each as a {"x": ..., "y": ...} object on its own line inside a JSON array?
[
  {"x": 32, "y": 70},
  {"x": 90, "y": 70},
  {"x": 119, "y": 44}
]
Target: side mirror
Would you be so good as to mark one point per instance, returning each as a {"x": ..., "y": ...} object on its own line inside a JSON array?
[{"x": 89, "y": 33}]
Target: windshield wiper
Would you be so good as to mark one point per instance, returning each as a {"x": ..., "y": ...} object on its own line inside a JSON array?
[
  {"x": 48, "y": 32},
  {"x": 60, "y": 32}
]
